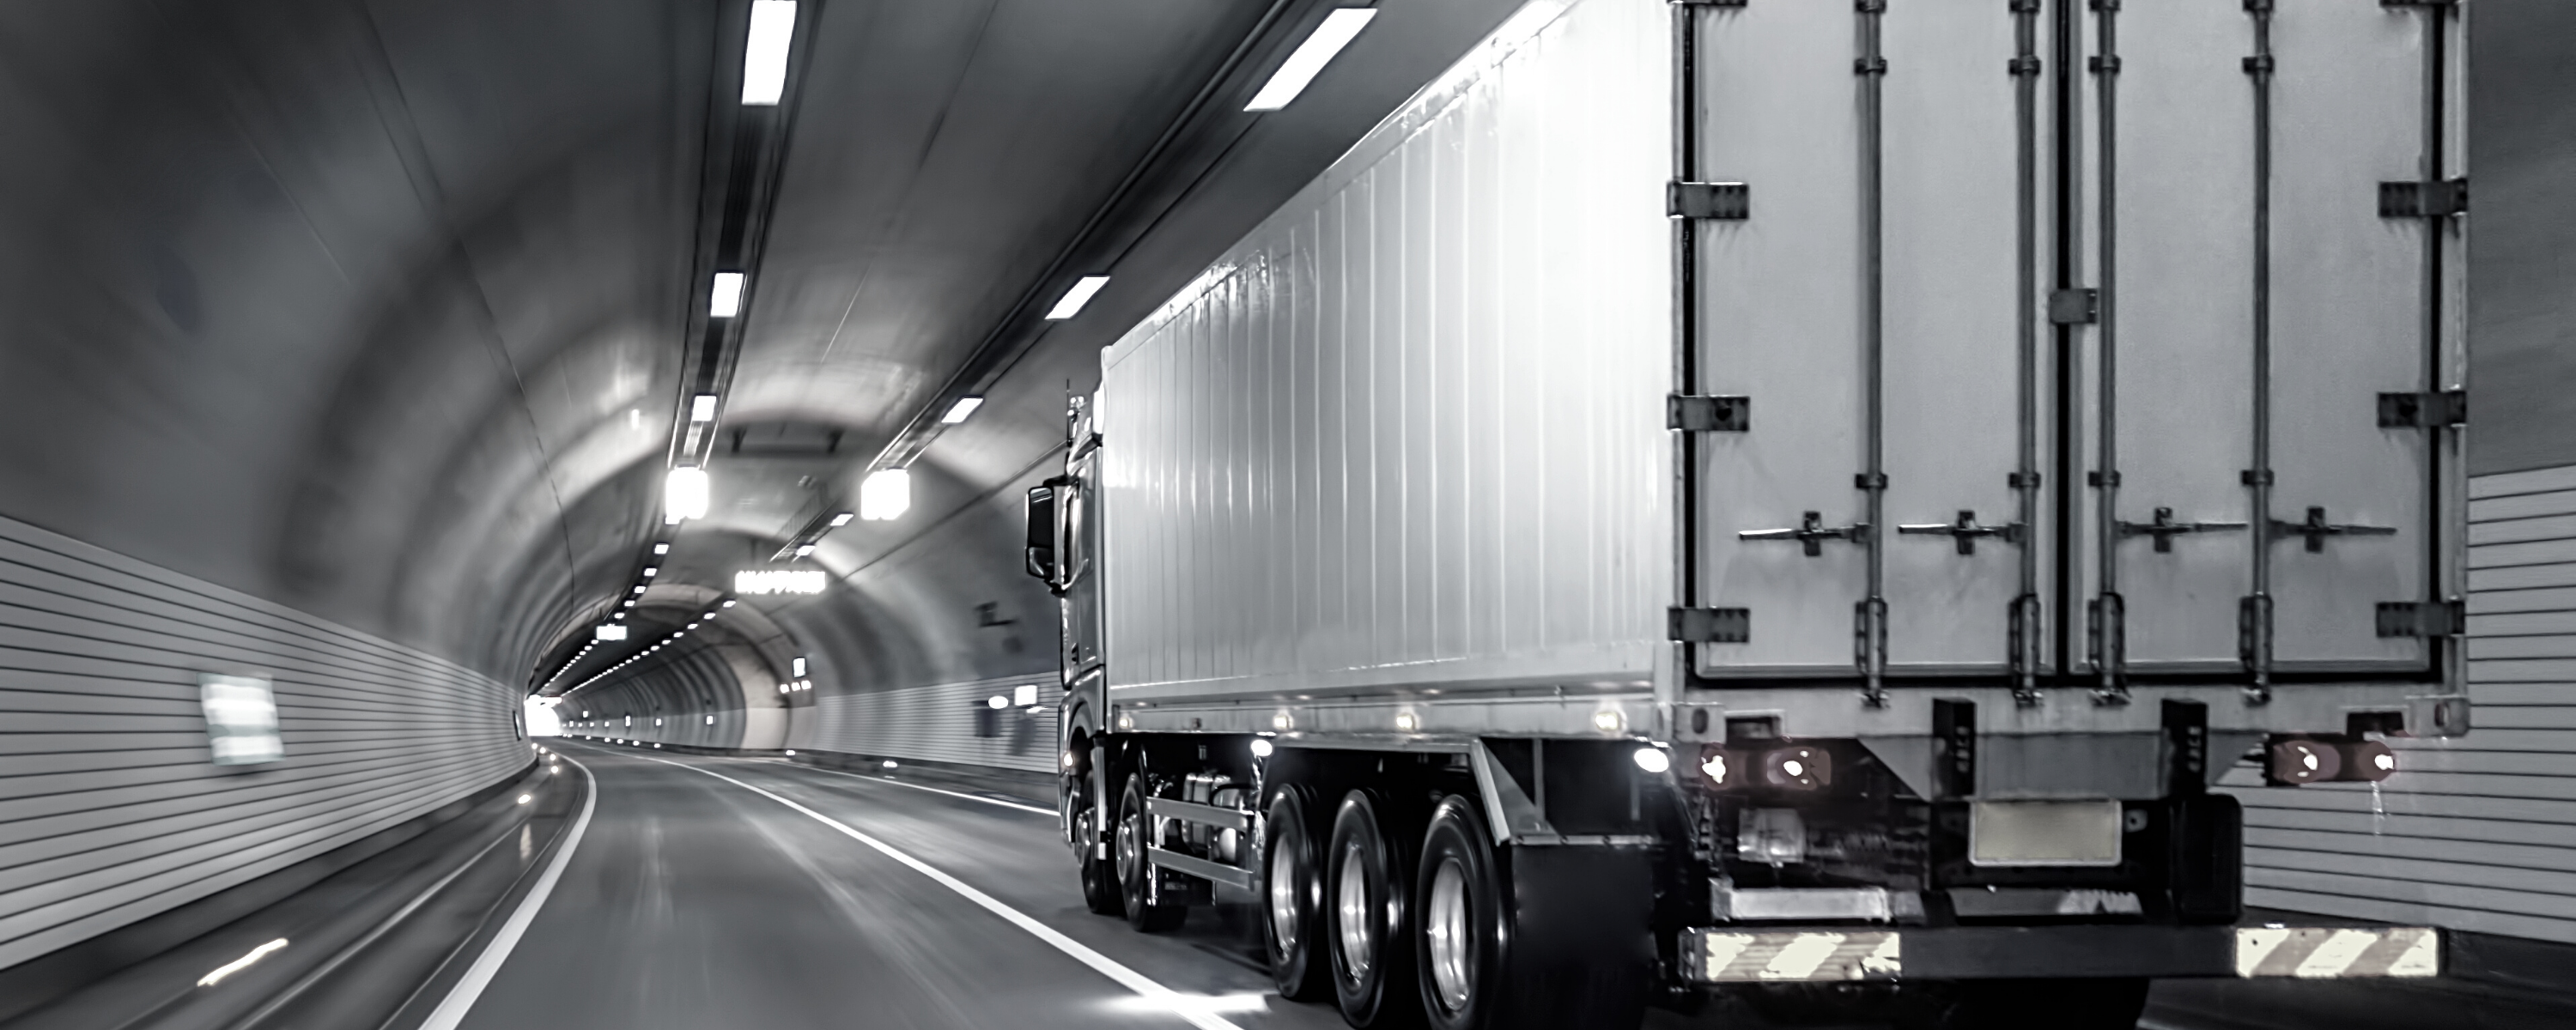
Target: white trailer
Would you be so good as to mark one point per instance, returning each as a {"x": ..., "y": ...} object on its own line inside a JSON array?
[{"x": 1751, "y": 493}]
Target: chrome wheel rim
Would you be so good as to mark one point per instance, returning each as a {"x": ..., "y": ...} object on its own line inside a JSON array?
[
  {"x": 1351, "y": 901},
  {"x": 1284, "y": 932},
  {"x": 1129, "y": 829},
  {"x": 1444, "y": 932}
]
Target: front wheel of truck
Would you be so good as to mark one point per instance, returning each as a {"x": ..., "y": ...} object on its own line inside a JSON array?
[
  {"x": 1100, "y": 891},
  {"x": 1135, "y": 833}
]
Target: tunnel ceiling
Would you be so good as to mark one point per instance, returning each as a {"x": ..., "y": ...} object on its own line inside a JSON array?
[{"x": 387, "y": 309}]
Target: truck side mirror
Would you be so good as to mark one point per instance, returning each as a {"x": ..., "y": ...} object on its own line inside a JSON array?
[{"x": 1041, "y": 541}]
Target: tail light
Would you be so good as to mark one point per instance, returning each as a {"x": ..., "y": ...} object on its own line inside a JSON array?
[{"x": 2296, "y": 761}]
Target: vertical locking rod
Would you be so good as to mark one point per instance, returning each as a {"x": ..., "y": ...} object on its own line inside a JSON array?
[
  {"x": 1685, "y": 472},
  {"x": 2110, "y": 665},
  {"x": 2256, "y": 631},
  {"x": 1872, "y": 69},
  {"x": 2024, "y": 635}
]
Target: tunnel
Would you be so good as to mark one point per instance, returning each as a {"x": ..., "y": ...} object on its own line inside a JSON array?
[{"x": 1453, "y": 513}]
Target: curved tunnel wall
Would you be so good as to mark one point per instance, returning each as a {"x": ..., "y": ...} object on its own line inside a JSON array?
[{"x": 111, "y": 808}]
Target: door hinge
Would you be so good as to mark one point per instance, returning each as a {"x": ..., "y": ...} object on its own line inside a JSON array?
[
  {"x": 2423, "y": 618},
  {"x": 1709, "y": 625},
  {"x": 2075, "y": 307},
  {"x": 1731, "y": 201},
  {"x": 1719, "y": 414},
  {"x": 2423, "y": 410},
  {"x": 2424, "y": 199}
]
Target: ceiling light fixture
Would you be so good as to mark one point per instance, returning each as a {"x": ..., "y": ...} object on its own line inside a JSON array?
[
  {"x": 661, "y": 548},
  {"x": 764, "y": 54},
  {"x": 1310, "y": 57},
  {"x": 961, "y": 410},
  {"x": 1071, "y": 303},
  {"x": 804, "y": 549},
  {"x": 725, "y": 300},
  {"x": 843, "y": 518},
  {"x": 702, "y": 408},
  {"x": 885, "y": 495},
  {"x": 684, "y": 495}
]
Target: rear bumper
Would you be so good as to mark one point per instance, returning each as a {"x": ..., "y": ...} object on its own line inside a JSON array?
[{"x": 1729, "y": 955}]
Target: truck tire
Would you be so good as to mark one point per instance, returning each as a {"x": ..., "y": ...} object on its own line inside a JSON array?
[
  {"x": 1368, "y": 877},
  {"x": 2107, "y": 1004},
  {"x": 1464, "y": 936},
  {"x": 1134, "y": 833},
  {"x": 1293, "y": 890},
  {"x": 1100, "y": 891}
]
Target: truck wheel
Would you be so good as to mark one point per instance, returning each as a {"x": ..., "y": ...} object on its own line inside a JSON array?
[
  {"x": 1464, "y": 936},
  {"x": 2040, "y": 1005},
  {"x": 1099, "y": 878},
  {"x": 1367, "y": 875},
  {"x": 1134, "y": 833},
  {"x": 1292, "y": 920}
]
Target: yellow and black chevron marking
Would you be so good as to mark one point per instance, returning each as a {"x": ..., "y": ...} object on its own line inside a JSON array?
[
  {"x": 1855, "y": 955},
  {"x": 2326, "y": 951}
]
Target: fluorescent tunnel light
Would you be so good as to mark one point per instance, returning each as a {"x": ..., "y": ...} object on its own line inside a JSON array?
[
  {"x": 843, "y": 518},
  {"x": 959, "y": 411},
  {"x": 724, "y": 300},
  {"x": 1310, "y": 57},
  {"x": 1070, "y": 304},
  {"x": 885, "y": 495},
  {"x": 684, "y": 494},
  {"x": 702, "y": 408},
  {"x": 764, "y": 54}
]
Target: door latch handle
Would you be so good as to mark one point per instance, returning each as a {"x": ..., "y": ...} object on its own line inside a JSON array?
[
  {"x": 1810, "y": 533},
  {"x": 2317, "y": 529},
  {"x": 1965, "y": 530},
  {"x": 2164, "y": 529}
]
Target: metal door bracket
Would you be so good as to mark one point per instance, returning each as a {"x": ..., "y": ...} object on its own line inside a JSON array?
[
  {"x": 1730, "y": 201},
  {"x": 1811, "y": 533},
  {"x": 2255, "y": 477},
  {"x": 2074, "y": 307},
  {"x": 1709, "y": 625},
  {"x": 2164, "y": 529},
  {"x": 1964, "y": 529},
  {"x": 2424, "y": 199},
  {"x": 2423, "y": 410},
  {"x": 2317, "y": 529},
  {"x": 1719, "y": 414},
  {"x": 2423, "y": 618}
]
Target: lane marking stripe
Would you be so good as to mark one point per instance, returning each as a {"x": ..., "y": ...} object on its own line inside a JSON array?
[
  {"x": 1180, "y": 1004},
  {"x": 1049, "y": 812},
  {"x": 460, "y": 998}
]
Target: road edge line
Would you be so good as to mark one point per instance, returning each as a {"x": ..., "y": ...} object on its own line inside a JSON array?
[
  {"x": 1049, "y": 812},
  {"x": 469, "y": 989}
]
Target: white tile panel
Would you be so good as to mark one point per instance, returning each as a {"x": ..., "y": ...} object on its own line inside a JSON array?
[
  {"x": 1409, "y": 431},
  {"x": 936, "y": 723},
  {"x": 2476, "y": 832}
]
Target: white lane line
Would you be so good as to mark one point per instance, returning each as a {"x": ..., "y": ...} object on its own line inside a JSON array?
[
  {"x": 1049, "y": 812},
  {"x": 460, "y": 998},
  {"x": 1190, "y": 1007}
]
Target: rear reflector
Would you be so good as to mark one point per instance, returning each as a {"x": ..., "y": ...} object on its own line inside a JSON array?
[
  {"x": 1722, "y": 957},
  {"x": 2321, "y": 952}
]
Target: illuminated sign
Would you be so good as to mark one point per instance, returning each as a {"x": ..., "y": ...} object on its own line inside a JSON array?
[
  {"x": 241, "y": 720},
  {"x": 778, "y": 581}
]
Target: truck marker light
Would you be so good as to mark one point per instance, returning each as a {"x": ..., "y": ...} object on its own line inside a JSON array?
[
  {"x": 1407, "y": 722},
  {"x": 997, "y": 702},
  {"x": 1715, "y": 766},
  {"x": 1283, "y": 722},
  {"x": 1260, "y": 749},
  {"x": 1652, "y": 759},
  {"x": 2298, "y": 762},
  {"x": 1609, "y": 720},
  {"x": 1798, "y": 768}
]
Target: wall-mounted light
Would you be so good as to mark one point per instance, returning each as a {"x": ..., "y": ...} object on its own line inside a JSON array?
[
  {"x": 1075, "y": 297},
  {"x": 885, "y": 495},
  {"x": 964, "y": 407},
  {"x": 1310, "y": 57},
  {"x": 684, "y": 495},
  {"x": 764, "y": 52}
]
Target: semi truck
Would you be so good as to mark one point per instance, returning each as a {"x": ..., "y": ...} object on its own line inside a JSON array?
[{"x": 1795, "y": 500}]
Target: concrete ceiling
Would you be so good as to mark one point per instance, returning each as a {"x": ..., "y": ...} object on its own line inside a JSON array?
[{"x": 384, "y": 309}]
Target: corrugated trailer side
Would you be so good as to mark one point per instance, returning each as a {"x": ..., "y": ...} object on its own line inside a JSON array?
[{"x": 1408, "y": 433}]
